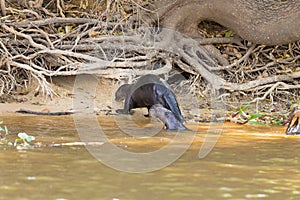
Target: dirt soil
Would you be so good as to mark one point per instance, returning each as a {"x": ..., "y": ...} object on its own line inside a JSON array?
[
  {"x": 104, "y": 103},
  {"x": 193, "y": 109},
  {"x": 62, "y": 101}
]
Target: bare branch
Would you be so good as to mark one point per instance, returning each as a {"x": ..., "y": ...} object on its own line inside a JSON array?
[{"x": 3, "y": 7}]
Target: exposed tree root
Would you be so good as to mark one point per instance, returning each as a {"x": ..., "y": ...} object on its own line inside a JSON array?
[{"x": 41, "y": 46}]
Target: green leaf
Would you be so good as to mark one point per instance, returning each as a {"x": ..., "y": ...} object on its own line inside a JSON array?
[
  {"x": 61, "y": 30},
  {"x": 228, "y": 34},
  {"x": 256, "y": 123},
  {"x": 245, "y": 107},
  {"x": 277, "y": 123},
  {"x": 18, "y": 140},
  {"x": 254, "y": 116},
  {"x": 6, "y": 130},
  {"x": 242, "y": 109}
]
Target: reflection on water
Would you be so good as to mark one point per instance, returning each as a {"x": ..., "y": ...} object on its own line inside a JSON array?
[{"x": 248, "y": 162}]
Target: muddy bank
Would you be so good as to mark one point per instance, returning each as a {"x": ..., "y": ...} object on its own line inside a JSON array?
[{"x": 194, "y": 109}]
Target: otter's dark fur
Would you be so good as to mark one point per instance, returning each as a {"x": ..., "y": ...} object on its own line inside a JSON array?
[
  {"x": 146, "y": 92},
  {"x": 167, "y": 117}
]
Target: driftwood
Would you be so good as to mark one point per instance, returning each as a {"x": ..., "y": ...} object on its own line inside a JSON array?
[{"x": 24, "y": 111}]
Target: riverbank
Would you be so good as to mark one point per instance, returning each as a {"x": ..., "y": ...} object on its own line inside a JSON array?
[
  {"x": 60, "y": 102},
  {"x": 194, "y": 110}
]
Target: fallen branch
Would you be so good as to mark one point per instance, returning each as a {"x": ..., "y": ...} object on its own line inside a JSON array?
[
  {"x": 272, "y": 88},
  {"x": 249, "y": 51},
  {"x": 57, "y": 21},
  {"x": 23, "y": 111}
]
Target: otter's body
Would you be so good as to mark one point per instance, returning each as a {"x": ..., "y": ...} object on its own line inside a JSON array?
[{"x": 146, "y": 92}]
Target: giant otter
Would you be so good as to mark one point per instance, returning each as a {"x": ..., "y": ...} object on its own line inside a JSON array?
[
  {"x": 294, "y": 124},
  {"x": 167, "y": 117},
  {"x": 146, "y": 92}
]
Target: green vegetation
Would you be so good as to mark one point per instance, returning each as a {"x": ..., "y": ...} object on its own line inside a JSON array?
[
  {"x": 22, "y": 141},
  {"x": 3, "y": 132},
  {"x": 241, "y": 117}
]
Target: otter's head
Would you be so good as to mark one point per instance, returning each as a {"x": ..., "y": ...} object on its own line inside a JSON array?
[
  {"x": 122, "y": 91},
  {"x": 155, "y": 110}
]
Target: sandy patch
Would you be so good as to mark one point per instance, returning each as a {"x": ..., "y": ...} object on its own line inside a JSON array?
[
  {"x": 102, "y": 96},
  {"x": 62, "y": 101}
]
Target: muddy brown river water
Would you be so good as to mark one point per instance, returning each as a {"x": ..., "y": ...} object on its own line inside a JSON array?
[{"x": 248, "y": 162}]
